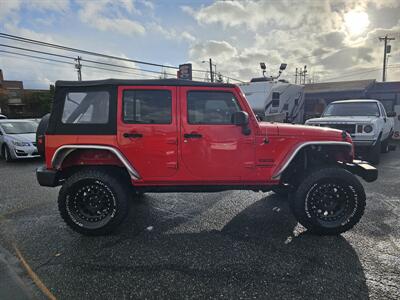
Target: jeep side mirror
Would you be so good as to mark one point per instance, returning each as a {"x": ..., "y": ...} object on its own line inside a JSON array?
[
  {"x": 241, "y": 118},
  {"x": 391, "y": 114}
]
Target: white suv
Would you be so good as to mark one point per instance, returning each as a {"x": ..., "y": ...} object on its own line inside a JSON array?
[{"x": 365, "y": 120}]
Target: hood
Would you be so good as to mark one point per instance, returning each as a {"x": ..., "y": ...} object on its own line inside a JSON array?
[
  {"x": 352, "y": 119},
  {"x": 23, "y": 137},
  {"x": 286, "y": 129},
  {"x": 309, "y": 131}
]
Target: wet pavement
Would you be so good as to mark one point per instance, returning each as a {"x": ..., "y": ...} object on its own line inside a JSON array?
[{"x": 237, "y": 244}]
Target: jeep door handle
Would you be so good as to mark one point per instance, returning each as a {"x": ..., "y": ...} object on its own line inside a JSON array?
[
  {"x": 133, "y": 135},
  {"x": 192, "y": 135}
]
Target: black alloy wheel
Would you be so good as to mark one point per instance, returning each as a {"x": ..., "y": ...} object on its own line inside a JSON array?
[
  {"x": 91, "y": 204},
  {"x": 329, "y": 201},
  {"x": 95, "y": 200}
]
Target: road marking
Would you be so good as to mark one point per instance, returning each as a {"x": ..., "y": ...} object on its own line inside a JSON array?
[{"x": 33, "y": 275}]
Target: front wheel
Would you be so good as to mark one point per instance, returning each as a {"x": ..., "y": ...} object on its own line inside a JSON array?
[
  {"x": 7, "y": 155},
  {"x": 329, "y": 201},
  {"x": 375, "y": 153},
  {"x": 94, "y": 201}
]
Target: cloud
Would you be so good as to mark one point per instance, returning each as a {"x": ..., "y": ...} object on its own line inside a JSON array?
[
  {"x": 256, "y": 14},
  {"x": 211, "y": 48},
  {"x": 48, "y": 5},
  {"x": 171, "y": 33},
  {"x": 10, "y": 8},
  {"x": 94, "y": 13}
]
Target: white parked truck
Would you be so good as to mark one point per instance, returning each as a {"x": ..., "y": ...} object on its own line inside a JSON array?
[
  {"x": 275, "y": 100},
  {"x": 365, "y": 120}
]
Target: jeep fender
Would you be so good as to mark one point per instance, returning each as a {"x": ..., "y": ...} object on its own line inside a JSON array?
[
  {"x": 64, "y": 151},
  {"x": 279, "y": 171}
]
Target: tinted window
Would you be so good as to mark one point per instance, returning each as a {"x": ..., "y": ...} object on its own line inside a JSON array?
[
  {"x": 211, "y": 107},
  {"x": 147, "y": 107},
  {"x": 86, "y": 108},
  {"x": 352, "y": 109}
]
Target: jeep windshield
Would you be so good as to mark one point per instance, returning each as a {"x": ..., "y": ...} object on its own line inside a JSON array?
[
  {"x": 19, "y": 127},
  {"x": 352, "y": 109}
]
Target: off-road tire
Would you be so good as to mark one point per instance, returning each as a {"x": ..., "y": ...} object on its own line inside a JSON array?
[
  {"x": 114, "y": 188},
  {"x": 303, "y": 200},
  {"x": 6, "y": 154},
  {"x": 374, "y": 155}
]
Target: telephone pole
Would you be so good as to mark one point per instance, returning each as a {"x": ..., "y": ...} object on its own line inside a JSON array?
[
  {"x": 295, "y": 78},
  {"x": 386, "y": 50},
  {"x": 304, "y": 74},
  {"x": 211, "y": 71},
  {"x": 78, "y": 68}
]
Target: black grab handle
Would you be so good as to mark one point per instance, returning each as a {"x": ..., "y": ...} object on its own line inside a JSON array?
[
  {"x": 192, "y": 135},
  {"x": 133, "y": 135}
]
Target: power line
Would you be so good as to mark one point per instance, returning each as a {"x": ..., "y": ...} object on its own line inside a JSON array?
[
  {"x": 70, "y": 63},
  {"x": 360, "y": 73},
  {"x": 37, "y": 51},
  {"x": 56, "y": 46},
  {"x": 37, "y": 57},
  {"x": 65, "y": 48}
]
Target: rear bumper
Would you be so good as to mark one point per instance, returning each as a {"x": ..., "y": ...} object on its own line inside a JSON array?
[
  {"x": 362, "y": 169},
  {"x": 47, "y": 177}
]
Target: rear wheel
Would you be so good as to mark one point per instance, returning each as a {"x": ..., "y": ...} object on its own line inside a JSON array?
[
  {"x": 329, "y": 201},
  {"x": 94, "y": 201}
]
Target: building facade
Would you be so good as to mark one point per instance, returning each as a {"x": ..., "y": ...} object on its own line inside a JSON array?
[
  {"x": 319, "y": 95},
  {"x": 17, "y": 102}
]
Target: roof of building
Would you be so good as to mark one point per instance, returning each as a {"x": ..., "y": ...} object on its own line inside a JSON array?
[
  {"x": 161, "y": 82},
  {"x": 11, "y": 84},
  {"x": 331, "y": 87},
  {"x": 386, "y": 86}
]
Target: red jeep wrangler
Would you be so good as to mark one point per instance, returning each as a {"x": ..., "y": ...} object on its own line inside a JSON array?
[{"x": 107, "y": 141}]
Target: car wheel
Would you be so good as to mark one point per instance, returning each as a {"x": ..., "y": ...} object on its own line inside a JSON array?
[
  {"x": 385, "y": 146},
  {"x": 7, "y": 155},
  {"x": 329, "y": 201},
  {"x": 374, "y": 156},
  {"x": 94, "y": 201}
]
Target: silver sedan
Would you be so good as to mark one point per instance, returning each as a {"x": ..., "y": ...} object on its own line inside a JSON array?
[{"x": 18, "y": 139}]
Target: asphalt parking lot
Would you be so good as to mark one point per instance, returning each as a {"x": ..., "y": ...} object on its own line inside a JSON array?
[{"x": 219, "y": 245}]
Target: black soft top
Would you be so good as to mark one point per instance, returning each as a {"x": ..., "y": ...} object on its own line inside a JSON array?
[{"x": 150, "y": 82}]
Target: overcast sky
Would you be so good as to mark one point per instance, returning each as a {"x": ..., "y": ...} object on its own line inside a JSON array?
[{"x": 337, "y": 39}]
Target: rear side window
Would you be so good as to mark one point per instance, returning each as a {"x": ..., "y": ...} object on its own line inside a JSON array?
[
  {"x": 211, "y": 107},
  {"x": 86, "y": 108},
  {"x": 147, "y": 107}
]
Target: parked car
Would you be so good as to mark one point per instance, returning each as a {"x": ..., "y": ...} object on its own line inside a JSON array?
[
  {"x": 365, "y": 120},
  {"x": 108, "y": 140},
  {"x": 2, "y": 117},
  {"x": 17, "y": 139}
]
